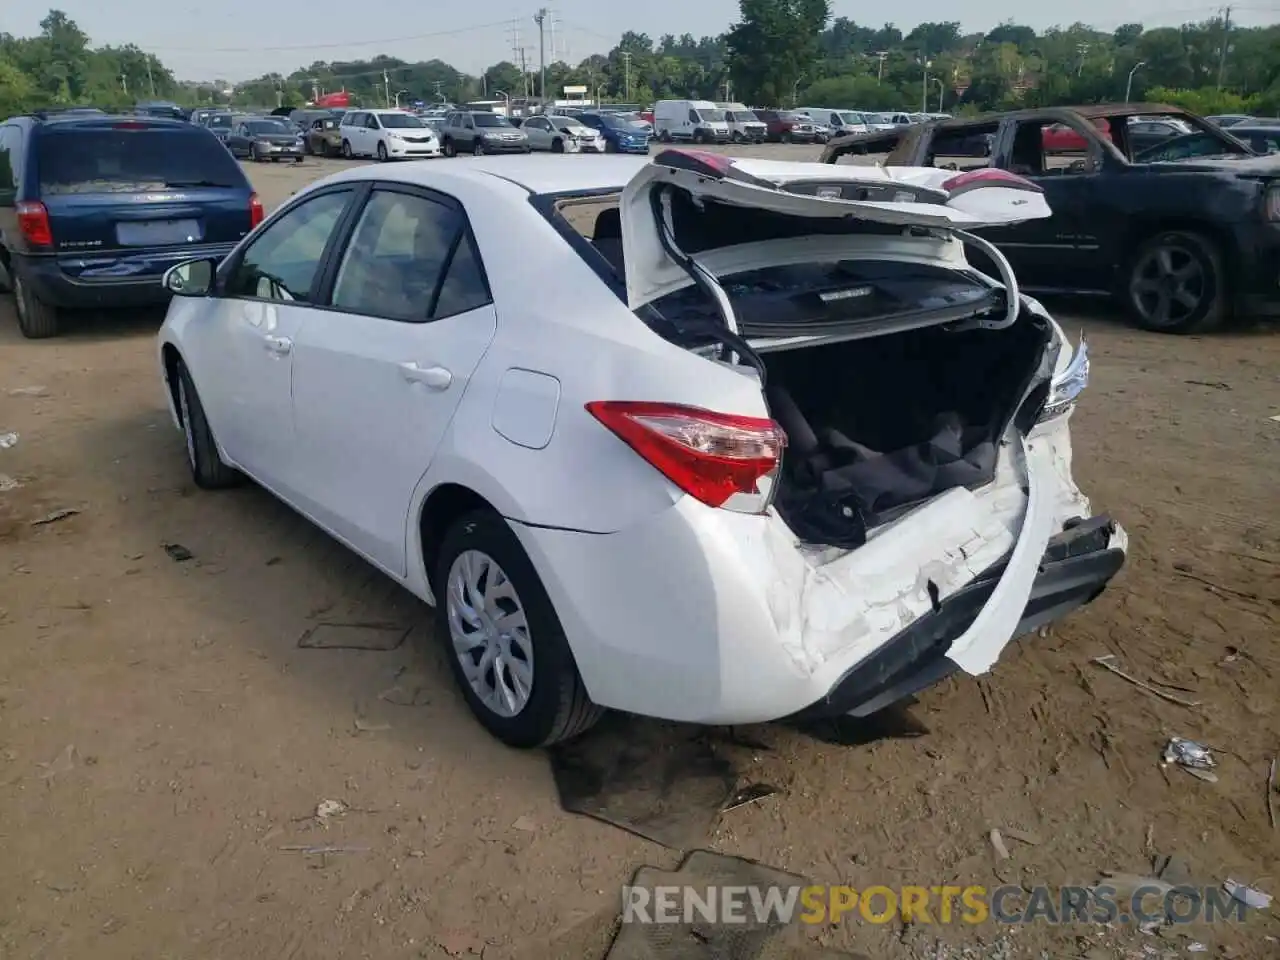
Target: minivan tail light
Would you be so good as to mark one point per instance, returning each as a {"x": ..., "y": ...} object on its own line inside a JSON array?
[
  {"x": 256, "y": 213},
  {"x": 723, "y": 460},
  {"x": 33, "y": 224}
]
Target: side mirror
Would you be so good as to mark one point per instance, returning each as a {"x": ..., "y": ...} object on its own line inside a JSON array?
[{"x": 192, "y": 278}]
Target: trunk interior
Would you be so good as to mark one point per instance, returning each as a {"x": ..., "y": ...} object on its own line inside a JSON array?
[{"x": 878, "y": 425}]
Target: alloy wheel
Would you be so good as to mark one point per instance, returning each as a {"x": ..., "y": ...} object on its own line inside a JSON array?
[
  {"x": 1168, "y": 285},
  {"x": 490, "y": 633}
]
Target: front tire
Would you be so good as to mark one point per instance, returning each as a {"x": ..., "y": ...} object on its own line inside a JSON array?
[
  {"x": 502, "y": 638},
  {"x": 1175, "y": 283},
  {"x": 478, "y": 147},
  {"x": 36, "y": 319},
  {"x": 346, "y": 150},
  {"x": 557, "y": 146},
  {"x": 382, "y": 152},
  {"x": 207, "y": 469},
  {"x": 449, "y": 149}
]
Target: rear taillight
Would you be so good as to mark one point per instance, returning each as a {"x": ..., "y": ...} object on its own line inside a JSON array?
[
  {"x": 256, "y": 213},
  {"x": 722, "y": 459},
  {"x": 33, "y": 224}
]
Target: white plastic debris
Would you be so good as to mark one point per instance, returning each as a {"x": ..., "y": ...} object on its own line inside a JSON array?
[
  {"x": 1250, "y": 897},
  {"x": 8, "y": 440},
  {"x": 330, "y": 808},
  {"x": 1188, "y": 753}
]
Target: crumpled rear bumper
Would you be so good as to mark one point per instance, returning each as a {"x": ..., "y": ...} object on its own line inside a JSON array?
[{"x": 1076, "y": 567}]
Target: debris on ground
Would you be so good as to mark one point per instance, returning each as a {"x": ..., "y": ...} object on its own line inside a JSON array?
[
  {"x": 997, "y": 844},
  {"x": 749, "y": 794},
  {"x": 329, "y": 808},
  {"x": 524, "y": 824},
  {"x": 460, "y": 943},
  {"x": 1106, "y": 662},
  {"x": 354, "y": 636},
  {"x": 8, "y": 440},
  {"x": 1195, "y": 758},
  {"x": 1254, "y": 899},
  {"x": 7, "y": 483},
  {"x": 177, "y": 552},
  {"x": 322, "y": 851},
  {"x": 646, "y": 777},
  {"x": 1273, "y": 787},
  {"x": 55, "y": 516},
  {"x": 1023, "y": 836},
  {"x": 62, "y": 763},
  {"x": 368, "y": 726},
  {"x": 37, "y": 391}
]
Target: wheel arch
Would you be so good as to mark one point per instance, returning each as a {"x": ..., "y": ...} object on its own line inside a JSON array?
[
  {"x": 444, "y": 504},
  {"x": 1140, "y": 229},
  {"x": 170, "y": 358}
]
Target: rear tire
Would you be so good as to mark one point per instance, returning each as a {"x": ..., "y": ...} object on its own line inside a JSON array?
[
  {"x": 36, "y": 319},
  {"x": 207, "y": 469},
  {"x": 1176, "y": 283},
  {"x": 556, "y": 706}
]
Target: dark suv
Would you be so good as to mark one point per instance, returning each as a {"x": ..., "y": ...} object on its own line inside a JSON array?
[{"x": 95, "y": 209}]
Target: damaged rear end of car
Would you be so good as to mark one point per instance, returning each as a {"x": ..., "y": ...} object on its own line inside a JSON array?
[{"x": 894, "y": 501}]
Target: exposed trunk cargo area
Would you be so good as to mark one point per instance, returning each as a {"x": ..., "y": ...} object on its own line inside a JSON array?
[{"x": 877, "y": 425}]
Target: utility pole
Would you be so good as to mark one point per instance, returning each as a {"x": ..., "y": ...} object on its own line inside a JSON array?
[
  {"x": 538, "y": 18},
  {"x": 524, "y": 72},
  {"x": 124, "y": 84},
  {"x": 925, "y": 64},
  {"x": 151, "y": 80},
  {"x": 626, "y": 74},
  {"x": 882, "y": 56},
  {"x": 439, "y": 85},
  {"x": 1081, "y": 49},
  {"x": 386, "y": 88},
  {"x": 1222, "y": 54}
]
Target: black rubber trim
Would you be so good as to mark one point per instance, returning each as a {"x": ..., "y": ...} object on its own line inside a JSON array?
[{"x": 1076, "y": 567}]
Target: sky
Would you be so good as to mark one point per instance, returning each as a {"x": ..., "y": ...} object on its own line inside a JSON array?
[{"x": 241, "y": 39}]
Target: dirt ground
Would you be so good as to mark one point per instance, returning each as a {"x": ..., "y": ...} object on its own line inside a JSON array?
[{"x": 164, "y": 741}]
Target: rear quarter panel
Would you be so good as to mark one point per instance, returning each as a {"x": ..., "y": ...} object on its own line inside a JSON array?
[{"x": 578, "y": 331}]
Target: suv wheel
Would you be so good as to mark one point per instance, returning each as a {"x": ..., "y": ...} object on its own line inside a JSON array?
[
  {"x": 382, "y": 152},
  {"x": 502, "y": 638},
  {"x": 449, "y": 149},
  {"x": 37, "y": 320},
  {"x": 786, "y": 136},
  {"x": 346, "y": 149},
  {"x": 478, "y": 147},
  {"x": 1175, "y": 283}
]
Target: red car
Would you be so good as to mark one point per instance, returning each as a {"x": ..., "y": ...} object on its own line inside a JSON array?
[{"x": 1059, "y": 138}]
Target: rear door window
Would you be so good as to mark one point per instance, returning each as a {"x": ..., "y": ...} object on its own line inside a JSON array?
[{"x": 130, "y": 161}]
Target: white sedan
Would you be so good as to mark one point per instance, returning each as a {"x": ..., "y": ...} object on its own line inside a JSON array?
[
  {"x": 561, "y": 135},
  {"x": 764, "y": 444}
]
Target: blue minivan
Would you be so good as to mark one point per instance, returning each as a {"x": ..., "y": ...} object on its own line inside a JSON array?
[{"x": 95, "y": 208}]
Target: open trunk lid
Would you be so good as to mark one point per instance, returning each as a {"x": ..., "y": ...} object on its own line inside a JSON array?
[{"x": 826, "y": 194}]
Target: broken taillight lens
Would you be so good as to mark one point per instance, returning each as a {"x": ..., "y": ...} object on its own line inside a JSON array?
[
  {"x": 256, "y": 213},
  {"x": 723, "y": 460},
  {"x": 1068, "y": 385}
]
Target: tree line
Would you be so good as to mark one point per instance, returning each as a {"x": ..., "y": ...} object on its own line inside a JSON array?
[{"x": 778, "y": 53}]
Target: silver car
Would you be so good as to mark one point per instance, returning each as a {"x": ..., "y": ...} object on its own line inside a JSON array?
[{"x": 561, "y": 134}]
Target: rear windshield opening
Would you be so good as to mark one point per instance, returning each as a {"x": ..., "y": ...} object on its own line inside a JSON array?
[
  {"x": 786, "y": 299},
  {"x": 111, "y": 161}
]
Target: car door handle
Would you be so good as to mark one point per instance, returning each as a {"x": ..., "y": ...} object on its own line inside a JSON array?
[
  {"x": 437, "y": 378},
  {"x": 280, "y": 345}
]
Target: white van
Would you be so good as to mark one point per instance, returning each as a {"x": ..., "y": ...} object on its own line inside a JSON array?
[
  {"x": 744, "y": 125},
  {"x": 698, "y": 121},
  {"x": 840, "y": 121}
]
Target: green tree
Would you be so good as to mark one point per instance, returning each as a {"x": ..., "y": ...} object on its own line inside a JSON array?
[{"x": 773, "y": 45}]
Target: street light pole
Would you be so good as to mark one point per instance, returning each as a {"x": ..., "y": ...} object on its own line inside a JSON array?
[
  {"x": 539, "y": 18},
  {"x": 1128, "y": 87}
]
